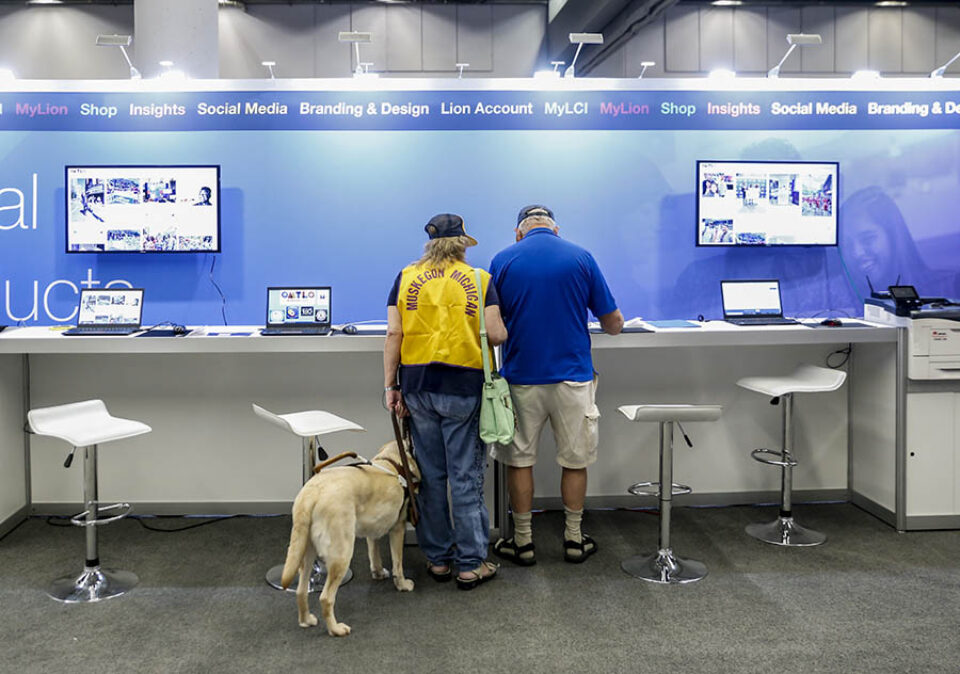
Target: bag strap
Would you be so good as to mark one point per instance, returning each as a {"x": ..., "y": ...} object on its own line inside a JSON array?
[{"x": 484, "y": 348}]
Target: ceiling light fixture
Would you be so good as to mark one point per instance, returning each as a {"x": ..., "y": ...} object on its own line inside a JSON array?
[
  {"x": 938, "y": 72},
  {"x": 356, "y": 37},
  {"x": 795, "y": 40},
  {"x": 581, "y": 39},
  {"x": 645, "y": 65},
  {"x": 121, "y": 41}
]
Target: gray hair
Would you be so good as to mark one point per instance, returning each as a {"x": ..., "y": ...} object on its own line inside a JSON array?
[{"x": 535, "y": 221}]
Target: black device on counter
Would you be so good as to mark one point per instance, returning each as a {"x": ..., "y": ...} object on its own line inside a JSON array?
[{"x": 905, "y": 299}]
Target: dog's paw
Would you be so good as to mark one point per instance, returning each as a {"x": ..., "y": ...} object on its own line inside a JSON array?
[
  {"x": 310, "y": 621},
  {"x": 403, "y": 584},
  {"x": 379, "y": 574},
  {"x": 339, "y": 630}
]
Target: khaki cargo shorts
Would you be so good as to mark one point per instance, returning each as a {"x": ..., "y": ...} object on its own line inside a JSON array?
[{"x": 572, "y": 411}]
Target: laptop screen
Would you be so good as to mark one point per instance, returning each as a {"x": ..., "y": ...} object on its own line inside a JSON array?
[
  {"x": 298, "y": 306},
  {"x": 110, "y": 306},
  {"x": 750, "y": 298}
]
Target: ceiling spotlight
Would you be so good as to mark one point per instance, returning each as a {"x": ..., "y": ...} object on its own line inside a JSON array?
[
  {"x": 356, "y": 37},
  {"x": 727, "y": 3},
  {"x": 865, "y": 75},
  {"x": 232, "y": 3},
  {"x": 795, "y": 40},
  {"x": 645, "y": 65},
  {"x": 581, "y": 39},
  {"x": 121, "y": 41},
  {"x": 44, "y": 2},
  {"x": 269, "y": 66},
  {"x": 722, "y": 74},
  {"x": 938, "y": 72},
  {"x": 460, "y": 67},
  {"x": 892, "y": 3}
]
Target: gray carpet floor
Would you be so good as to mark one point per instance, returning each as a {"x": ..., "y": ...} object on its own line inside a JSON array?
[{"x": 870, "y": 600}]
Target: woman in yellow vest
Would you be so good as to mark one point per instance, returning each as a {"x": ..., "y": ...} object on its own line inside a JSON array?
[{"x": 433, "y": 369}]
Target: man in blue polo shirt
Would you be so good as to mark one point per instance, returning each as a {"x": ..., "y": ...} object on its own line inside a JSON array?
[{"x": 546, "y": 286}]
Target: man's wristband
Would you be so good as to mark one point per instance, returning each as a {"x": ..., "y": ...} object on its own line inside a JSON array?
[{"x": 395, "y": 387}]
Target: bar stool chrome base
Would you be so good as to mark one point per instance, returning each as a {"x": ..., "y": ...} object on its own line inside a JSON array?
[
  {"x": 663, "y": 567},
  {"x": 785, "y": 531},
  {"x": 94, "y": 584},
  {"x": 317, "y": 578}
]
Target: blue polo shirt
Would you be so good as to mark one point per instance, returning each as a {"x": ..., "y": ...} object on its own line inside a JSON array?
[{"x": 546, "y": 285}]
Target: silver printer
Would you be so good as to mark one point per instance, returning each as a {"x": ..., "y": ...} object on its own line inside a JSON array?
[{"x": 933, "y": 328}]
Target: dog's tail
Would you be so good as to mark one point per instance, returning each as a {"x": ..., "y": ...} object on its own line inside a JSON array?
[{"x": 298, "y": 544}]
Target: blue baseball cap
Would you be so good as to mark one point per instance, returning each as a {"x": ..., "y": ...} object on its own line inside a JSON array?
[
  {"x": 447, "y": 225},
  {"x": 534, "y": 209}
]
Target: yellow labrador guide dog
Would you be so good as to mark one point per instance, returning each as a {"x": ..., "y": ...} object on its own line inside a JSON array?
[{"x": 336, "y": 506}]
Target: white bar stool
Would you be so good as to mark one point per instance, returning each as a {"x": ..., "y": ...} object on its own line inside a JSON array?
[
  {"x": 805, "y": 379},
  {"x": 85, "y": 425},
  {"x": 309, "y": 425},
  {"x": 663, "y": 566}
]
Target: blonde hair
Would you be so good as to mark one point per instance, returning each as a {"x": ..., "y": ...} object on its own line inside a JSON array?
[
  {"x": 535, "y": 221},
  {"x": 443, "y": 251}
]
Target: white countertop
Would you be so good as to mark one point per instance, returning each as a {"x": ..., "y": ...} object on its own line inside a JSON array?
[{"x": 29, "y": 340}]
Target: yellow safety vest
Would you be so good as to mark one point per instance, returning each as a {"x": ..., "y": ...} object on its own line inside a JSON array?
[{"x": 439, "y": 313}]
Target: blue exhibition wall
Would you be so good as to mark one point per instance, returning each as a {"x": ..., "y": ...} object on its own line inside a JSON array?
[{"x": 343, "y": 201}]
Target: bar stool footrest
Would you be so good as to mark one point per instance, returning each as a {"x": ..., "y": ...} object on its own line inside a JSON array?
[
  {"x": 761, "y": 454},
  {"x": 639, "y": 488},
  {"x": 80, "y": 520}
]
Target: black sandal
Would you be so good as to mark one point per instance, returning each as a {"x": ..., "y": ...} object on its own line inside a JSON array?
[
  {"x": 587, "y": 546},
  {"x": 443, "y": 577},
  {"x": 509, "y": 550},
  {"x": 477, "y": 578}
]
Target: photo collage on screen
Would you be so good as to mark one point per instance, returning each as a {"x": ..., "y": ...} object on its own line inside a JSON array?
[
  {"x": 142, "y": 209},
  {"x": 743, "y": 203},
  {"x": 298, "y": 305},
  {"x": 110, "y": 308}
]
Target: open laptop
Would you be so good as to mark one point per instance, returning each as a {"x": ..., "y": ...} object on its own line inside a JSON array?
[
  {"x": 298, "y": 311},
  {"x": 108, "y": 311},
  {"x": 753, "y": 303}
]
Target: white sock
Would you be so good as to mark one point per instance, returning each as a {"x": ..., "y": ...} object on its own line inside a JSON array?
[
  {"x": 522, "y": 528},
  {"x": 573, "y": 518}
]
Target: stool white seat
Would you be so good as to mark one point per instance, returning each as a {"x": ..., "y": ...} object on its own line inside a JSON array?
[
  {"x": 84, "y": 425},
  {"x": 309, "y": 425},
  {"x": 805, "y": 379},
  {"x": 671, "y": 412},
  {"x": 663, "y": 566}
]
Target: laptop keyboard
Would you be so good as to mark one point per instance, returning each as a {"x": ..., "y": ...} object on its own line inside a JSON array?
[
  {"x": 761, "y": 321},
  {"x": 272, "y": 332},
  {"x": 100, "y": 331}
]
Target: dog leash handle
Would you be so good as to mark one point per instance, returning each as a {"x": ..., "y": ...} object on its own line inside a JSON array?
[{"x": 407, "y": 475}]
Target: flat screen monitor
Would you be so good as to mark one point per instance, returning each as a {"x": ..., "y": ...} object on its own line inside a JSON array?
[
  {"x": 767, "y": 203},
  {"x": 143, "y": 209}
]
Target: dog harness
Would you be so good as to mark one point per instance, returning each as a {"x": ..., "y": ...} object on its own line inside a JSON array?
[{"x": 361, "y": 462}]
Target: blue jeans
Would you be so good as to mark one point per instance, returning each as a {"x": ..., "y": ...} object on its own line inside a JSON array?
[{"x": 446, "y": 439}]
